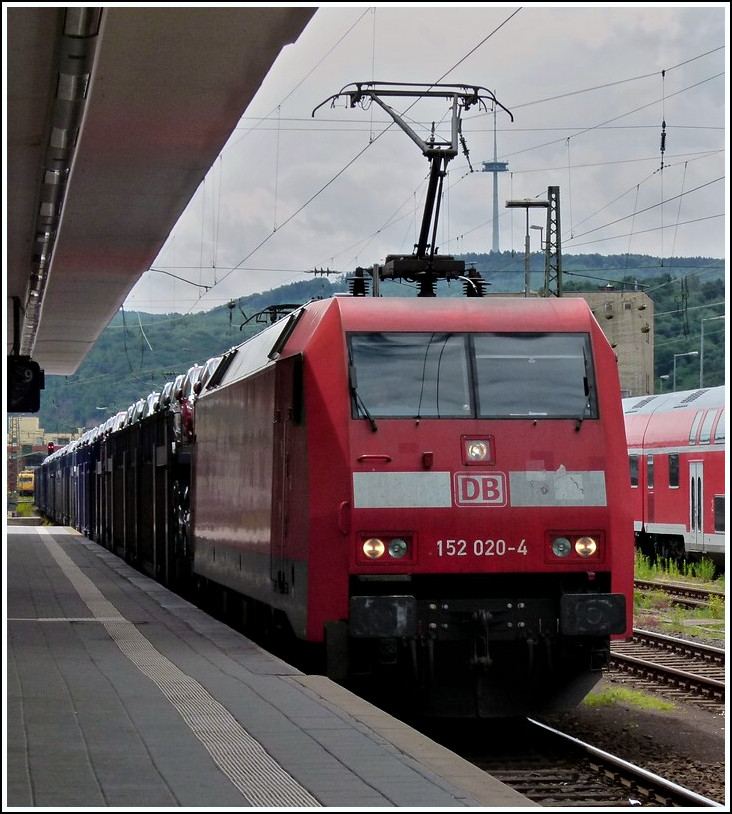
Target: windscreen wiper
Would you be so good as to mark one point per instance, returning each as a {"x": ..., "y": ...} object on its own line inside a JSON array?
[
  {"x": 586, "y": 381},
  {"x": 357, "y": 397}
]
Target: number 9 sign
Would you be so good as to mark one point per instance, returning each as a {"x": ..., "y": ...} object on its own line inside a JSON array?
[{"x": 25, "y": 381}]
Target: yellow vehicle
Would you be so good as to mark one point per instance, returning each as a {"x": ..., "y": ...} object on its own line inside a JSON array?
[{"x": 26, "y": 482}]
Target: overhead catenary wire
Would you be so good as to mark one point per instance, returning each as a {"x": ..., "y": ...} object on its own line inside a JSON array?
[
  {"x": 572, "y": 164},
  {"x": 630, "y": 237},
  {"x": 663, "y": 149},
  {"x": 603, "y": 124},
  {"x": 358, "y": 155},
  {"x": 586, "y": 130},
  {"x": 571, "y": 236},
  {"x": 678, "y": 211}
]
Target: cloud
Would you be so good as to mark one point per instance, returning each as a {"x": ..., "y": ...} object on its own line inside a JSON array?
[{"x": 589, "y": 89}]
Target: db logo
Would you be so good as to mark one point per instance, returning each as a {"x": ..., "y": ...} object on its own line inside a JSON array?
[{"x": 478, "y": 489}]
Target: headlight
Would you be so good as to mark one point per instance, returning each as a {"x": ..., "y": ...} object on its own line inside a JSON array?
[
  {"x": 561, "y": 546},
  {"x": 477, "y": 450},
  {"x": 574, "y": 548},
  {"x": 397, "y": 548},
  {"x": 585, "y": 546},
  {"x": 374, "y": 548}
]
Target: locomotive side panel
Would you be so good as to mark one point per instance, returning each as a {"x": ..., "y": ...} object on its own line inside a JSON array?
[
  {"x": 232, "y": 485},
  {"x": 327, "y": 404},
  {"x": 291, "y": 565},
  {"x": 622, "y": 565},
  {"x": 249, "y": 533}
]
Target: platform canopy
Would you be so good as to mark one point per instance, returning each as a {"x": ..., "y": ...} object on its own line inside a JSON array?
[{"x": 114, "y": 117}]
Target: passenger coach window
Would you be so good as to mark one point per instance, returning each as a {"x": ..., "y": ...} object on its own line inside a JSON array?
[
  {"x": 534, "y": 375},
  {"x": 673, "y": 470},
  {"x": 706, "y": 431},
  {"x": 694, "y": 428},
  {"x": 633, "y": 469},
  {"x": 649, "y": 471},
  {"x": 719, "y": 431},
  {"x": 719, "y": 513}
]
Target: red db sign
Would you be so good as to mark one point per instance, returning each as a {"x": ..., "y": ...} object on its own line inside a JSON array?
[{"x": 480, "y": 489}]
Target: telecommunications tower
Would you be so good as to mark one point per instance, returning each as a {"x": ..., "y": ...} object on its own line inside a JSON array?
[{"x": 495, "y": 167}]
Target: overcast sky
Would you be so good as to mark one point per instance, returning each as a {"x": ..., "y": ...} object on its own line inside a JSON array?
[{"x": 589, "y": 90}]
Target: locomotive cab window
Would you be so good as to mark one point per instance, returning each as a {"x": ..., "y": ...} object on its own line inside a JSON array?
[
  {"x": 409, "y": 375},
  {"x": 450, "y": 375},
  {"x": 534, "y": 376}
]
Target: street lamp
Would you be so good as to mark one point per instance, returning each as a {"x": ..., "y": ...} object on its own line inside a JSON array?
[
  {"x": 527, "y": 203},
  {"x": 676, "y": 356},
  {"x": 701, "y": 356},
  {"x": 663, "y": 379},
  {"x": 541, "y": 236}
]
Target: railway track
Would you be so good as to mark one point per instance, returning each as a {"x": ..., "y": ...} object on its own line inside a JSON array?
[
  {"x": 556, "y": 770},
  {"x": 689, "y": 671},
  {"x": 690, "y": 596}
]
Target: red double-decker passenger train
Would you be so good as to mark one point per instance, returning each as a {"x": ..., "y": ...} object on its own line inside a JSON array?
[
  {"x": 430, "y": 492},
  {"x": 676, "y": 444}
]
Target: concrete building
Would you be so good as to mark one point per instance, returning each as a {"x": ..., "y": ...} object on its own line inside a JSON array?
[{"x": 626, "y": 318}]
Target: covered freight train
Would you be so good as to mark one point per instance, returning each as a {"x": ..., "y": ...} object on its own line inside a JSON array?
[{"x": 431, "y": 493}]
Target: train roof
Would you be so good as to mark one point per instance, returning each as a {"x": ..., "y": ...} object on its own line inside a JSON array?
[
  {"x": 461, "y": 313},
  {"x": 536, "y": 315},
  {"x": 680, "y": 400}
]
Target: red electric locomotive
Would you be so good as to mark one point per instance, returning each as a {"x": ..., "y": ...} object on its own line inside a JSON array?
[
  {"x": 676, "y": 445},
  {"x": 433, "y": 489},
  {"x": 433, "y": 493}
]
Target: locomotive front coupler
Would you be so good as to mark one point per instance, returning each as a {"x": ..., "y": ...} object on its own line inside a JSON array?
[
  {"x": 492, "y": 619},
  {"x": 481, "y": 651}
]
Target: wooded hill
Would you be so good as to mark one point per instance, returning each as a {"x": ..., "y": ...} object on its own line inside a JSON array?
[{"x": 140, "y": 352}]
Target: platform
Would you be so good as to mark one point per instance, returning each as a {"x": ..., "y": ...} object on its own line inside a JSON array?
[{"x": 121, "y": 694}]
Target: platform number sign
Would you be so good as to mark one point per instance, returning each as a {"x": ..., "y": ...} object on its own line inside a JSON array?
[{"x": 25, "y": 381}]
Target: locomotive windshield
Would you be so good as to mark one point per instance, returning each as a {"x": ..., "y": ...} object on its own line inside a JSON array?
[{"x": 487, "y": 375}]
